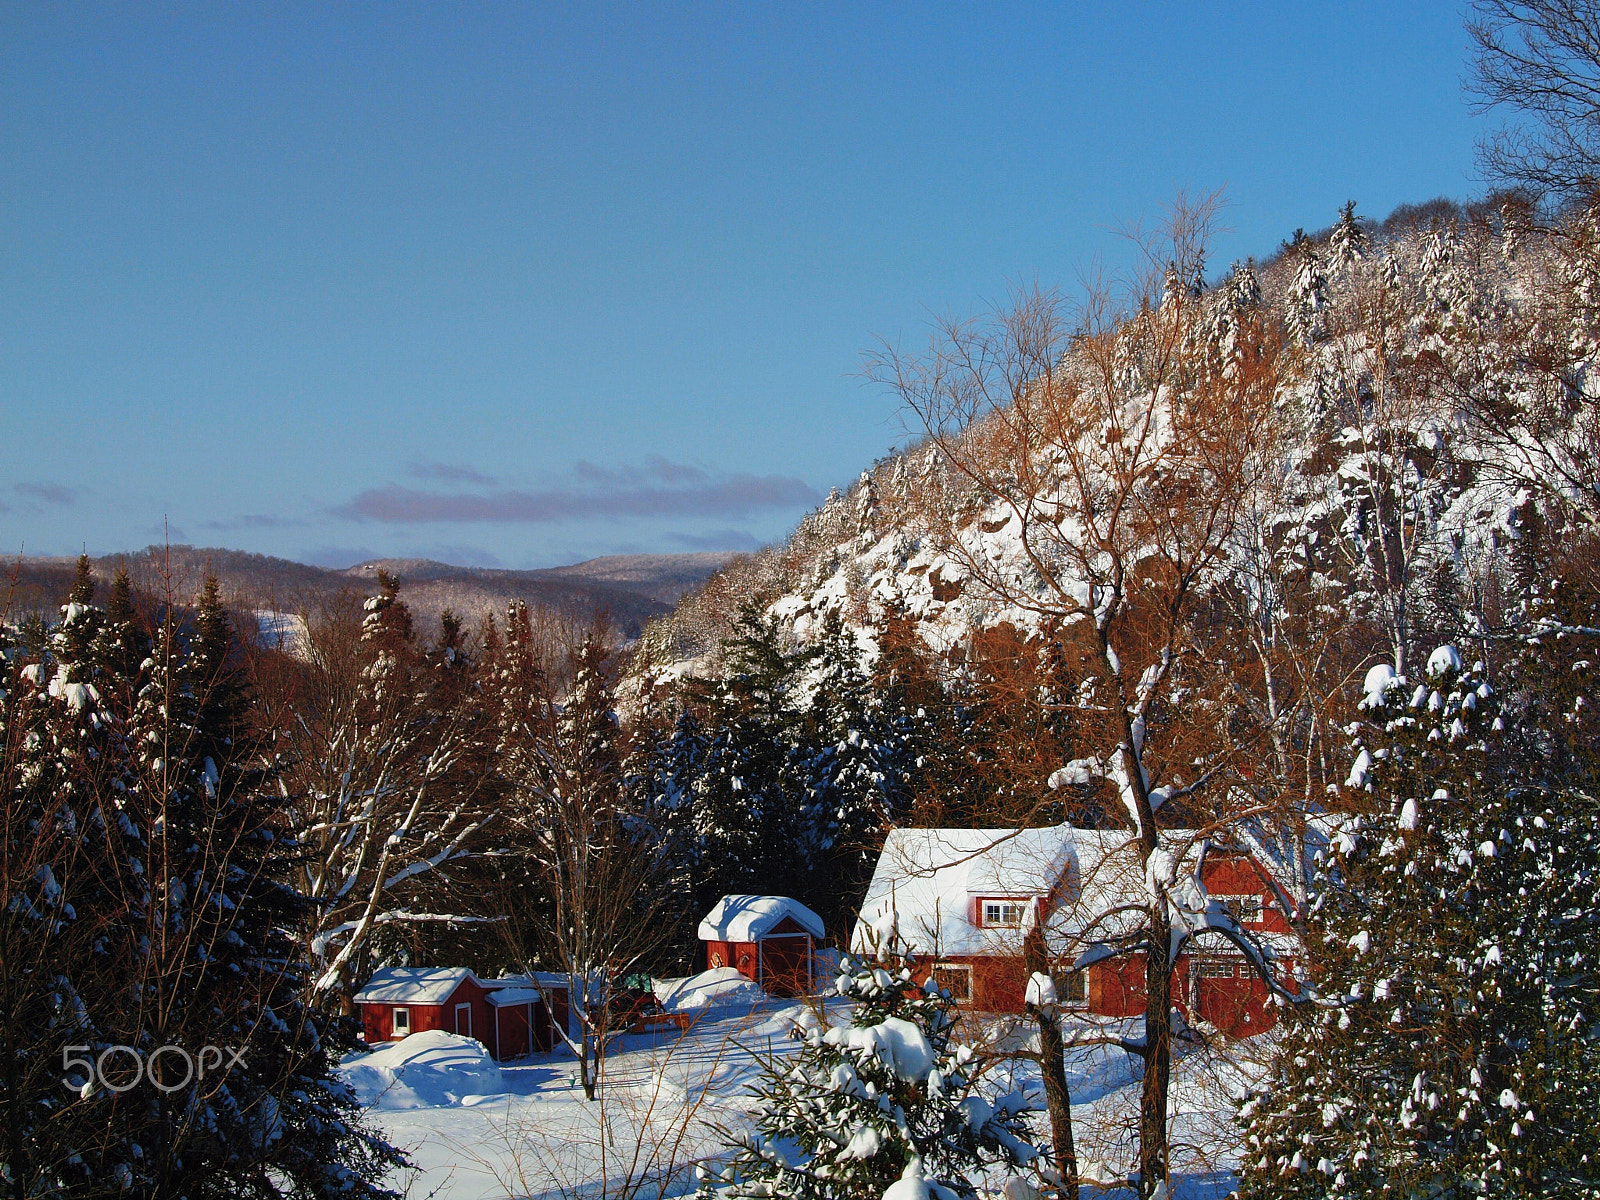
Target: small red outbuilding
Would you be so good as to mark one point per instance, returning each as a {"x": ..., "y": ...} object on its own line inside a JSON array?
[
  {"x": 768, "y": 939},
  {"x": 506, "y": 1015}
]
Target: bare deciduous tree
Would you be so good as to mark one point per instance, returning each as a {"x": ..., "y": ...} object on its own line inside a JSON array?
[
  {"x": 1110, "y": 457},
  {"x": 378, "y": 792},
  {"x": 1540, "y": 59},
  {"x": 582, "y": 867}
]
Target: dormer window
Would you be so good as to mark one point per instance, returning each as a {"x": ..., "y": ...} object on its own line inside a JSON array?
[{"x": 1007, "y": 914}]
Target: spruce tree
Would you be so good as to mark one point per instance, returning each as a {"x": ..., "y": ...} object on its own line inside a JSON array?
[
  {"x": 888, "y": 1098},
  {"x": 1451, "y": 1048},
  {"x": 219, "y": 964},
  {"x": 123, "y": 643},
  {"x": 70, "y": 891},
  {"x": 1308, "y": 291},
  {"x": 72, "y": 644},
  {"x": 1349, "y": 243},
  {"x": 857, "y": 775}
]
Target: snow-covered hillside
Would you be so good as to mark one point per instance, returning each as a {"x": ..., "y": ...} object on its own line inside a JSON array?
[{"x": 1432, "y": 406}]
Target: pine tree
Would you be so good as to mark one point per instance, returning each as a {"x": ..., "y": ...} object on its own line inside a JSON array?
[
  {"x": 888, "y": 1097},
  {"x": 1349, "y": 243},
  {"x": 70, "y": 890},
  {"x": 1451, "y": 1049},
  {"x": 1308, "y": 291},
  {"x": 219, "y": 964}
]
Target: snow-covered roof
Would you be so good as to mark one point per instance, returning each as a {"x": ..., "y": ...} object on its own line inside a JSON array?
[
  {"x": 510, "y": 997},
  {"x": 927, "y": 879},
  {"x": 750, "y": 918},
  {"x": 539, "y": 981},
  {"x": 412, "y": 985},
  {"x": 926, "y": 882}
]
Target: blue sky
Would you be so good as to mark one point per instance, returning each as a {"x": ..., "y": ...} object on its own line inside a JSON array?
[{"x": 524, "y": 284}]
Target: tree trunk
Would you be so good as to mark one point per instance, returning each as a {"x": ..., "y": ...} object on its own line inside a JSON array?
[
  {"x": 1157, "y": 1054},
  {"x": 1053, "y": 1070},
  {"x": 586, "y": 1072}
]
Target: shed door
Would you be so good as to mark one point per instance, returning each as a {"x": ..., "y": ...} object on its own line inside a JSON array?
[{"x": 464, "y": 1019}]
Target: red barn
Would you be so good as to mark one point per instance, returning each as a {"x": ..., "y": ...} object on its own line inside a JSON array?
[
  {"x": 966, "y": 898},
  {"x": 503, "y": 1014},
  {"x": 768, "y": 939}
]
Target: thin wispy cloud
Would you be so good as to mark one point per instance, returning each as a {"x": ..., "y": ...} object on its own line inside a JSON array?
[
  {"x": 656, "y": 488},
  {"x": 449, "y": 473},
  {"x": 49, "y": 493},
  {"x": 654, "y": 469},
  {"x": 258, "y": 521}
]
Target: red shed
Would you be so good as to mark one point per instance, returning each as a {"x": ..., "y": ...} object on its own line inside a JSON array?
[
  {"x": 531, "y": 1013},
  {"x": 503, "y": 1014},
  {"x": 768, "y": 939},
  {"x": 399, "y": 1001}
]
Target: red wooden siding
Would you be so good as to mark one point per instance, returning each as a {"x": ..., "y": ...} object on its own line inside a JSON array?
[
  {"x": 1238, "y": 1003},
  {"x": 780, "y": 961},
  {"x": 504, "y": 1032}
]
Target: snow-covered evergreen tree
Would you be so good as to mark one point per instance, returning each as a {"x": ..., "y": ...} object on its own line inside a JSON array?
[
  {"x": 70, "y": 890},
  {"x": 1348, "y": 243},
  {"x": 218, "y": 962},
  {"x": 866, "y": 506},
  {"x": 1308, "y": 292},
  {"x": 888, "y": 1098},
  {"x": 1452, "y": 1046}
]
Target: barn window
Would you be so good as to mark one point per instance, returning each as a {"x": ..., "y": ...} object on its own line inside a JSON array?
[
  {"x": 1071, "y": 986},
  {"x": 402, "y": 1022},
  {"x": 1002, "y": 912},
  {"x": 1245, "y": 909},
  {"x": 1216, "y": 968},
  {"x": 955, "y": 980}
]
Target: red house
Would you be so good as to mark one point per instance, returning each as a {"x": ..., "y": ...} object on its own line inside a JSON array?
[
  {"x": 511, "y": 1017},
  {"x": 966, "y": 898},
  {"x": 1213, "y": 979},
  {"x": 768, "y": 939}
]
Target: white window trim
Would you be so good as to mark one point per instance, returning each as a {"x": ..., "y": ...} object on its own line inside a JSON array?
[
  {"x": 395, "y": 1022},
  {"x": 1001, "y": 903},
  {"x": 458, "y": 1009}
]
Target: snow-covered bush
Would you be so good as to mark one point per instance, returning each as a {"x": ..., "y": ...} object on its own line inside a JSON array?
[{"x": 888, "y": 1104}]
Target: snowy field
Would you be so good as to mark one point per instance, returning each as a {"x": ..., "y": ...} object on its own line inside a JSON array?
[{"x": 476, "y": 1129}]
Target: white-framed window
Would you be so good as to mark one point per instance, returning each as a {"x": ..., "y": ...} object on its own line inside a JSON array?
[
  {"x": 1004, "y": 913},
  {"x": 1216, "y": 968},
  {"x": 464, "y": 1019},
  {"x": 402, "y": 1022},
  {"x": 1245, "y": 909},
  {"x": 955, "y": 979}
]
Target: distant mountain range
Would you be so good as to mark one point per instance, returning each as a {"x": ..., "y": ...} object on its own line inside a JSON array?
[{"x": 631, "y": 588}]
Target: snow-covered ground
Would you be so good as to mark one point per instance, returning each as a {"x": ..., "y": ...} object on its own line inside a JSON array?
[{"x": 476, "y": 1130}]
